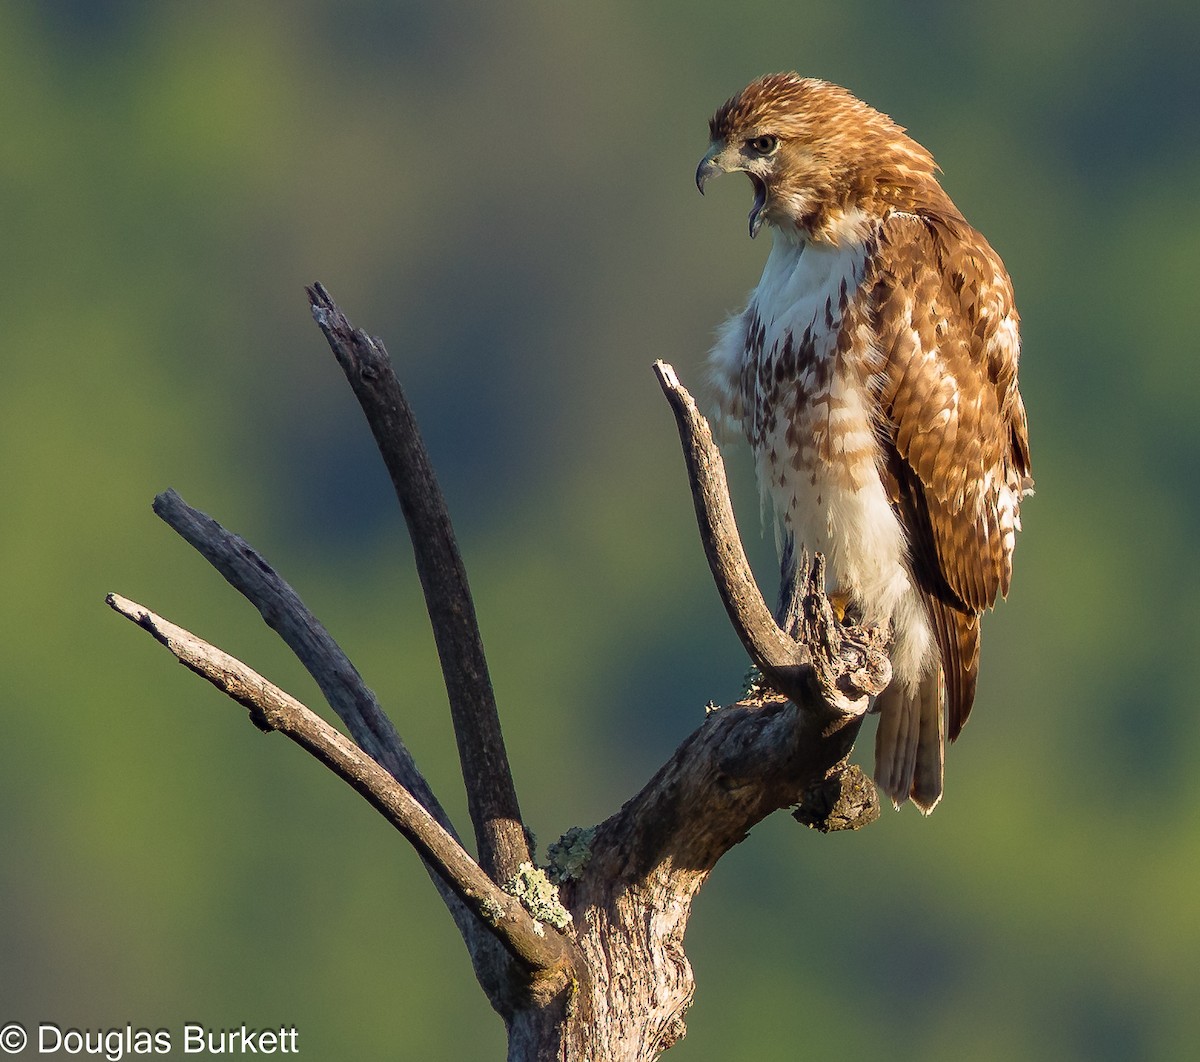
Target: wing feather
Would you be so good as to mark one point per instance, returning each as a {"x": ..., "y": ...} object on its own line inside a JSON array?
[{"x": 951, "y": 424}]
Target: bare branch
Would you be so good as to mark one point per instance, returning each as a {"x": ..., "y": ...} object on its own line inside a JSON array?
[
  {"x": 746, "y": 761},
  {"x": 787, "y": 664},
  {"x": 491, "y": 795},
  {"x": 545, "y": 953},
  {"x": 286, "y": 614},
  {"x": 784, "y": 662},
  {"x": 283, "y": 610}
]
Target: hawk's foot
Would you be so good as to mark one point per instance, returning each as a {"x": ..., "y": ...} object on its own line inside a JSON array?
[{"x": 840, "y": 603}]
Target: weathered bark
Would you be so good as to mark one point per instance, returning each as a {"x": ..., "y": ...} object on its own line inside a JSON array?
[{"x": 596, "y": 969}]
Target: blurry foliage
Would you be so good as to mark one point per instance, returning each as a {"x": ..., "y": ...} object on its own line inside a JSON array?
[{"x": 503, "y": 192}]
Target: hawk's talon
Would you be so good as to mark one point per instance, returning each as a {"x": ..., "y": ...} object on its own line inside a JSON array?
[{"x": 839, "y": 603}]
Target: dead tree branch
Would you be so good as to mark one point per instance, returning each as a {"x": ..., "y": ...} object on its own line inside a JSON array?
[
  {"x": 491, "y": 795},
  {"x": 546, "y": 954},
  {"x": 615, "y": 983},
  {"x": 286, "y": 614},
  {"x": 787, "y": 664},
  {"x": 347, "y": 694}
]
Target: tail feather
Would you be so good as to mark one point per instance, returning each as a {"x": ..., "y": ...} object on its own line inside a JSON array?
[
  {"x": 931, "y": 747},
  {"x": 910, "y": 743},
  {"x": 895, "y": 743}
]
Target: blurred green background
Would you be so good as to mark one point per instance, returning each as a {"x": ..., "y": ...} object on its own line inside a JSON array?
[{"x": 504, "y": 193}]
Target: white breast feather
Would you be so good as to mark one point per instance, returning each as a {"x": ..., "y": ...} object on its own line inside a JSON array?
[{"x": 823, "y": 481}]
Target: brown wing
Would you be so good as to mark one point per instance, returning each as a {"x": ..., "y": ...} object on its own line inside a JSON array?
[{"x": 951, "y": 423}]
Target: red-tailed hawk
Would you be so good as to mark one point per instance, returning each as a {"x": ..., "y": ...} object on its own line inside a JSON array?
[{"x": 874, "y": 372}]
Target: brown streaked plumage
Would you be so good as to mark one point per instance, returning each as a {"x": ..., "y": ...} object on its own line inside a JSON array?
[{"x": 874, "y": 372}]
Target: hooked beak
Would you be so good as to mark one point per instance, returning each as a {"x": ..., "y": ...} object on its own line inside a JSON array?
[{"x": 711, "y": 165}]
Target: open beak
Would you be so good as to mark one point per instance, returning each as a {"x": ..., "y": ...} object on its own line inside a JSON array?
[
  {"x": 711, "y": 165},
  {"x": 760, "y": 201}
]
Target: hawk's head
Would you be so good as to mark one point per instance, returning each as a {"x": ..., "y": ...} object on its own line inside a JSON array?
[{"x": 821, "y": 161}]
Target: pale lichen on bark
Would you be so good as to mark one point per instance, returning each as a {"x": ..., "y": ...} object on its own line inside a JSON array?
[{"x": 538, "y": 895}]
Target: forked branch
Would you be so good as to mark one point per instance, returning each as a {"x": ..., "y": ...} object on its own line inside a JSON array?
[
  {"x": 544, "y": 952},
  {"x": 347, "y": 694},
  {"x": 616, "y": 985}
]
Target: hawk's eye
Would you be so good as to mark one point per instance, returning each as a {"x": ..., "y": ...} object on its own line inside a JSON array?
[{"x": 763, "y": 145}]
